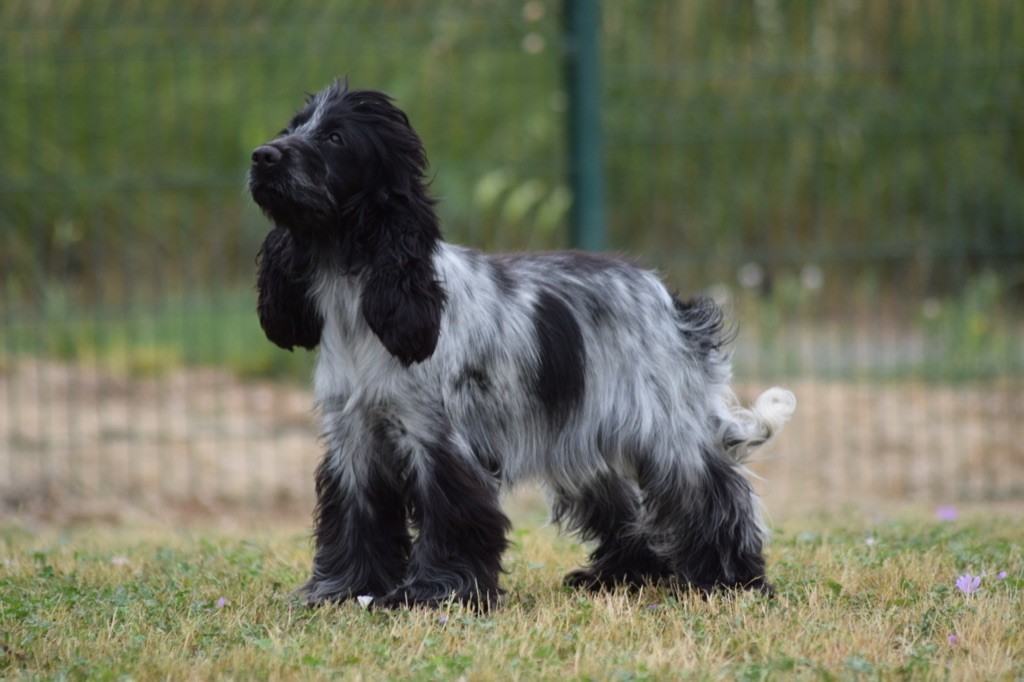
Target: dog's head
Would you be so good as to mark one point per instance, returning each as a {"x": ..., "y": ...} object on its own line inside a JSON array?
[
  {"x": 346, "y": 178},
  {"x": 343, "y": 150}
]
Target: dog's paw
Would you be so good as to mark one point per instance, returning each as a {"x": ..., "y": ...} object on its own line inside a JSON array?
[
  {"x": 600, "y": 581},
  {"x": 590, "y": 580},
  {"x": 583, "y": 579},
  {"x": 403, "y": 598},
  {"x": 316, "y": 600},
  {"x": 429, "y": 596},
  {"x": 322, "y": 593},
  {"x": 760, "y": 585}
]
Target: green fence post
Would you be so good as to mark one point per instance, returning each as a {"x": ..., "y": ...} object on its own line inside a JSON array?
[{"x": 588, "y": 223}]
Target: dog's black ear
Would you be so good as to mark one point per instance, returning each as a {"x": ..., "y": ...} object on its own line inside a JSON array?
[
  {"x": 403, "y": 300},
  {"x": 287, "y": 314}
]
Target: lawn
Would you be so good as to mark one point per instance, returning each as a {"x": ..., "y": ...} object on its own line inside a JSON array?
[{"x": 856, "y": 596}]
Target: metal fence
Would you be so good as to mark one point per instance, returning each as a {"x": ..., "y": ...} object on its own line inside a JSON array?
[{"x": 847, "y": 174}]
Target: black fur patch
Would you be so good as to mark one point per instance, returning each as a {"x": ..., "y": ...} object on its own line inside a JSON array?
[
  {"x": 361, "y": 548},
  {"x": 703, "y": 323},
  {"x": 286, "y": 313},
  {"x": 721, "y": 546},
  {"x": 561, "y": 378},
  {"x": 472, "y": 377},
  {"x": 461, "y": 537},
  {"x": 403, "y": 302},
  {"x": 606, "y": 512}
]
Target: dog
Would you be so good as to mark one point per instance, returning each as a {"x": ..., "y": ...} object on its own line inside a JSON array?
[{"x": 445, "y": 375}]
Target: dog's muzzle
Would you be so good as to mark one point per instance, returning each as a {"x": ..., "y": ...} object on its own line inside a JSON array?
[
  {"x": 287, "y": 180},
  {"x": 268, "y": 181}
]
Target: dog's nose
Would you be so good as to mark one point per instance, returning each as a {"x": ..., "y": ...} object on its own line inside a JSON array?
[{"x": 266, "y": 155}]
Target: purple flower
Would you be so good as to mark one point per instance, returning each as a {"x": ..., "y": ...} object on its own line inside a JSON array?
[
  {"x": 946, "y": 513},
  {"x": 968, "y": 584},
  {"x": 442, "y": 619},
  {"x": 952, "y": 640},
  {"x": 1002, "y": 575},
  {"x": 222, "y": 602}
]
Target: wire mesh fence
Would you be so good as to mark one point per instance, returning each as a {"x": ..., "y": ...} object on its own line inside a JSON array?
[{"x": 847, "y": 175}]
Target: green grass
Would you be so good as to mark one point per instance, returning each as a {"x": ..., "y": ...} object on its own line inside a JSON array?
[{"x": 855, "y": 599}]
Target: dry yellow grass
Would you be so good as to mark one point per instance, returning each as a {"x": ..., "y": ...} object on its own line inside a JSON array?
[{"x": 855, "y": 597}]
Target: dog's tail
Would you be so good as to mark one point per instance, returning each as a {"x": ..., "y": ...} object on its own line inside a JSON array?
[{"x": 745, "y": 429}]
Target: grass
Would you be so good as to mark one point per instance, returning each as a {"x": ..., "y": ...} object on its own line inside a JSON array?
[{"x": 855, "y": 599}]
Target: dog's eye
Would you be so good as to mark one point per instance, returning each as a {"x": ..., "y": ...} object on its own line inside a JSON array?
[{"x": 334, "y": 138}]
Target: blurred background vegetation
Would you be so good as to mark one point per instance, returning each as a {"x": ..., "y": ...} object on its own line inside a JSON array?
[
  {"x": 828, "y": 154},
  {"x": 847, "y": 174}
]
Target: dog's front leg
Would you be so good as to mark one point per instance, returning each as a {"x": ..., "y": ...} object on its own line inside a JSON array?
[
  {"x": 461, "y": 533},
  {"x": 360, "y": 531}
]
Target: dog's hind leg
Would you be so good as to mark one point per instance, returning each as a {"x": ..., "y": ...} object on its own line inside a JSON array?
[
  {"x": 607, "y": 510},
  {"x": 705, "y": 521},
  {"x": 461, "y": 533}
]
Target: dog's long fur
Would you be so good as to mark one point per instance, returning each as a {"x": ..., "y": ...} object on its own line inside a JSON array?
[{"x": 445, "y": 374}]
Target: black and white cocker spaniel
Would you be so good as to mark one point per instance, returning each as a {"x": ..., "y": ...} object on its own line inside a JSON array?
[{"x": 444, "y": 374}]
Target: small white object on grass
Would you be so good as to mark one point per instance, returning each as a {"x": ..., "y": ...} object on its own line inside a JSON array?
[{"x": 365, "y": 601}]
